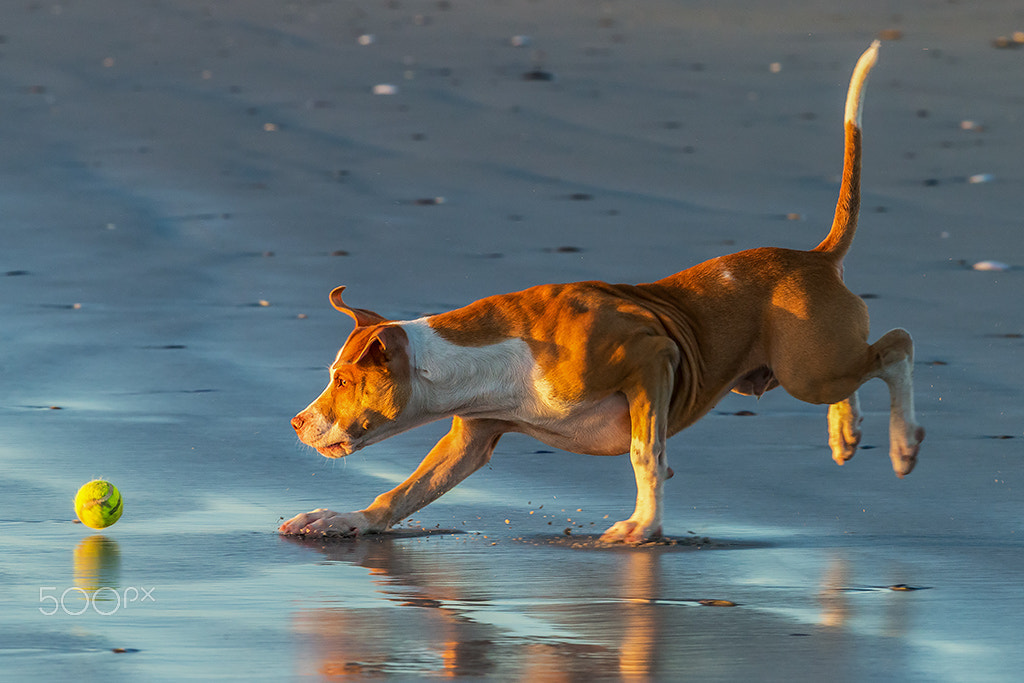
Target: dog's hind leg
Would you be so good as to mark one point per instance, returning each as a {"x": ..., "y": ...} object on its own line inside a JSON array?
[
  {"x": 891, "y": 359},
  {"x": 834, "y": 374},
  {"x": 894, "y": 363},
  {"x": 648, "y": 412}
]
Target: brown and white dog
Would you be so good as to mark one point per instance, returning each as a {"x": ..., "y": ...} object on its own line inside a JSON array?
[{"x": 606, "y": 369}]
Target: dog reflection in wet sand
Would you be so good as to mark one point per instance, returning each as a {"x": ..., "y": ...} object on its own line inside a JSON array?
[{"x": 606, "y": 369}]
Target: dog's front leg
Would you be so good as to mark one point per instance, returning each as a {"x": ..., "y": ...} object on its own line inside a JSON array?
[
  {"x": 463, "y": 450},
  {"x": 648, "y": 413}
]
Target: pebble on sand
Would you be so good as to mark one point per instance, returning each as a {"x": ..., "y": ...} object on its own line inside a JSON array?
[{"x": 538, "y": 75}]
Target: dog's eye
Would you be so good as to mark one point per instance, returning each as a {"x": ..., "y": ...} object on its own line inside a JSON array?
[{"x": 340, "y": 382}]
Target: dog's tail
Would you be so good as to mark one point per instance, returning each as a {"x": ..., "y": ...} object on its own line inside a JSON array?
[{"x": 840, "y": 237}]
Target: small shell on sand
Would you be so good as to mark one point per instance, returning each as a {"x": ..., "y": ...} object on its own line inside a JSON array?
[
  {"x": 385, "y": 89},
  {"x": 991, "y": 266}
]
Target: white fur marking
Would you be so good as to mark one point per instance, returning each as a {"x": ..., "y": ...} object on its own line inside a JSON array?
[
  {"x": 855, "y": 95},
  {"x": 448, "y": 378}
]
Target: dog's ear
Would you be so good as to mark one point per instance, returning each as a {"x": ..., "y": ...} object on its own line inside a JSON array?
[
  {"x": 379, "y": 343},
  {"x": 362, "y": 316}
]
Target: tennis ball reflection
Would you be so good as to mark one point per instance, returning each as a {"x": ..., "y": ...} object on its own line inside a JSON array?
[{"x": 97, "y": 561}]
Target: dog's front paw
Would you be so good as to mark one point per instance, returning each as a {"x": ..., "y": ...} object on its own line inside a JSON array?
[
  {"x": 631, "y": 531},
  {"x": 323, "y": 522}
]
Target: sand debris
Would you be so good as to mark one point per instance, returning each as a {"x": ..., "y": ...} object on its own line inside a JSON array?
[{"x": 1012, "y": 42}]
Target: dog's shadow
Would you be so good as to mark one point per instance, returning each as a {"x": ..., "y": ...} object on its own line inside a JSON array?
[
  {"x": 379, "y": 551},
  {"x": 665, "y": 544}
]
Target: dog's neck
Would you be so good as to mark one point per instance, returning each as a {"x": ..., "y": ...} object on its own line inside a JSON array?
[{"x": 448, "y": 379}]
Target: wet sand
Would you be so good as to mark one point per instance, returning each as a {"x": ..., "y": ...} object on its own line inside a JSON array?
[{"x": 183, "y": 183}]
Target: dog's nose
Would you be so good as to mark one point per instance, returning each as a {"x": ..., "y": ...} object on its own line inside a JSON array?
[{"x": 297, "y": 422}]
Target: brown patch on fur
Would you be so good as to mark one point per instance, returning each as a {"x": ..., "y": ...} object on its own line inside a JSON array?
[{"x": 583, "y": 335}]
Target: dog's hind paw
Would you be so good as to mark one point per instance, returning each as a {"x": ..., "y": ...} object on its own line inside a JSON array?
[
  {"x": 844, "y": 445},
  {"x": 904, "y": 453},
  {"x": 632, "y": 532},
  {"x": 323, "y": 522},
  {"x": 844, "y": 430}
]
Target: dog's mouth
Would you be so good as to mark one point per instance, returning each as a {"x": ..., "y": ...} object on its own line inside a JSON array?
[{"x": 335, "y": 450}]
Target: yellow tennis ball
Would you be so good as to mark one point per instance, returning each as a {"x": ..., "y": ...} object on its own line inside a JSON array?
[{"x": 99, "y": 504}]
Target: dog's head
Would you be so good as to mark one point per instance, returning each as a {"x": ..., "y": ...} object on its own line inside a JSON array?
[{"x": 368, "y": 390}]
